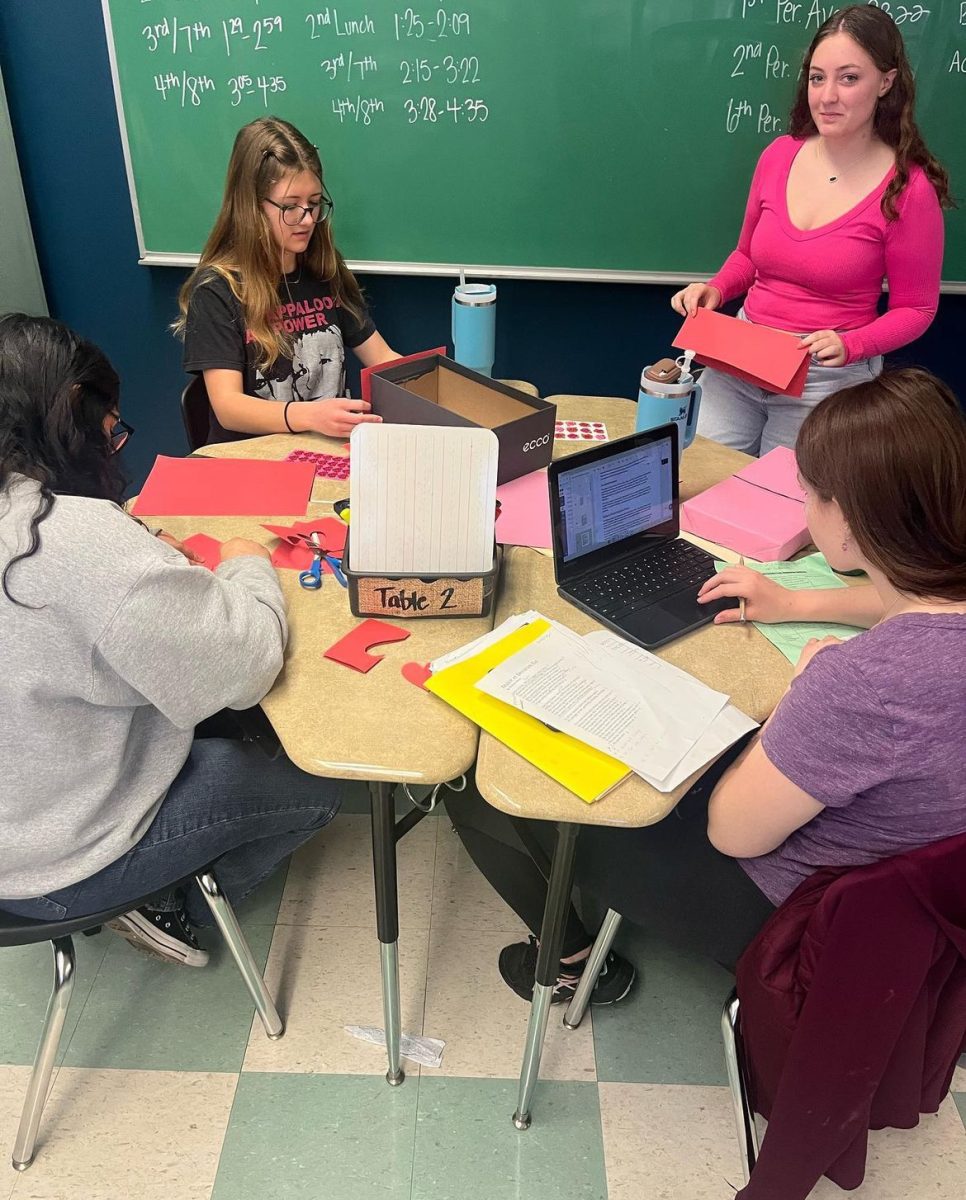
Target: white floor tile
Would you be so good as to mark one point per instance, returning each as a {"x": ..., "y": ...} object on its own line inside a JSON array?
[
  {"x": 330, "y": 879},
  {"x": 667, "y": 1142},
  {"x": 462, "y": 898},
  {"x": 324, "y": 979},
  {"x": 153, "y": 1135},
  {"x": 483, "y": 1023}
]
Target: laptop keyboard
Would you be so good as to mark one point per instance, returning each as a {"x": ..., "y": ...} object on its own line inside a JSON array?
[{"x": 617, "y": 590}]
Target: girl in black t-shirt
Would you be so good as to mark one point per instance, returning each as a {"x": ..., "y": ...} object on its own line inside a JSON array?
[{"x": 268, "y": 311}]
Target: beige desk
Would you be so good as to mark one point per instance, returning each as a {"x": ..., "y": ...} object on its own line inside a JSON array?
[
  {"x": 734, "y": 659},
  {"x": 336, "y": 722},
  {"x": 377, "y": 727}
]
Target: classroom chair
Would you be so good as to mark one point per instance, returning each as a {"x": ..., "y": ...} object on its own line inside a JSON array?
[
  {"x": 195, "y": 412},
  {"x": 21, "y": 931},
  {"x": 849, "y": 1015}
]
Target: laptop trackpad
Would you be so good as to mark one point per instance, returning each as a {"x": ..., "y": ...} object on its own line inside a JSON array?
[{"x": 669, "y": 618}]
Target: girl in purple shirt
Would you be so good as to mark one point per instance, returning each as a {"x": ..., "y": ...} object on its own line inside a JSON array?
[
  {"x": 863, "y": 757},
  {"x": 851, "y": 197}
]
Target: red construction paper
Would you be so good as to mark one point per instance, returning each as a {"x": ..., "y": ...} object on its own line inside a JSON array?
[
  {"x": 351, "y": 650},
  {"x": 225, "y": 487},
  {"x": 366, "y": 373},
  {"x": 207, "y": 548},
  {"x": 768, "y": 358},
  {"x": 295, "y": 555},
  {"x": 416, "y": 673}
]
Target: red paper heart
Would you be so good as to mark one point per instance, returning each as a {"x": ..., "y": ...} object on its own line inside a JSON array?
[{"x": 416, "y": 673}]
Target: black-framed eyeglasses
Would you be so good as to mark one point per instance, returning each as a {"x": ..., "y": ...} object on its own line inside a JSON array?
[
  {"x": 295, "y": 214},
  {"x": 120, "y": 432}
]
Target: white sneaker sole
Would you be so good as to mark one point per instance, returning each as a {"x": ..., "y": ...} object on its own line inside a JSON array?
[{"x": 147, "y": 938}]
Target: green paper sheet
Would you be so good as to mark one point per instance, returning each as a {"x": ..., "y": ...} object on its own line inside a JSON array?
[{"x": 812, "y": 571}]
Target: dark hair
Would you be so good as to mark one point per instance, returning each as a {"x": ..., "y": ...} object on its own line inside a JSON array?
[
  {"x": 55, "y": 390},
  {"x": 892, "y": 454},
  {"x": 895, "y": 123}
]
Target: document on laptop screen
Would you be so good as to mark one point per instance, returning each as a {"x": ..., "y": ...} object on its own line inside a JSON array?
[{"x": 615, "y": 497}]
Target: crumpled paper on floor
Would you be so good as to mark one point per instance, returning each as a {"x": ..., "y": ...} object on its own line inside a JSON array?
[{"x": 426, "y": 1051}]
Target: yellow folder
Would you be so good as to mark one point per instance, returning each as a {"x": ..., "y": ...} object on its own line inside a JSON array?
[{"x": 586, "y": 772}]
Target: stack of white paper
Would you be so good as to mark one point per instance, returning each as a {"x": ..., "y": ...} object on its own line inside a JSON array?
[
  {"x": 423, "y": 499},
  {"x": 660, "y": 721}
]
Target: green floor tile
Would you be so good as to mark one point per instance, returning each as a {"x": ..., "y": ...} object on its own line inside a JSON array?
[
  {"x": 960, "y": 1098},
  {"x": 467, "y": 1146},
  {"x": 142, "y": 1013},
  {"x": 312, "y": 1136},
  {"x": 668, "y": 1030},
  {"x": 26, "y": 977}
]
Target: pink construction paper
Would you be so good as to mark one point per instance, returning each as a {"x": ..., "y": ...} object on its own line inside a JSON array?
[
  {"x": 207, "y": 548},
  {"x": 225, "y": 487},
  {"x": 776, "y": 471},
  {"x": 525, "y": 511},
  {"x": 747, "y": 519}
]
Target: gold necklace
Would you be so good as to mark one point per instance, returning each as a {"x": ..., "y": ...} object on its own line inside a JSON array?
[{"x": 889, "y": 611}]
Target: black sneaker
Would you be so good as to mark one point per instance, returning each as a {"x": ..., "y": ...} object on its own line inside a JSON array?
[
  {"x": 164, "y": 935},
  {"x": 518, "y": 966}
]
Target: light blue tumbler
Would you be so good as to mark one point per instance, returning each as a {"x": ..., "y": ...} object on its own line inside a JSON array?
[
  {"x": 474, "y": 325},
  {"x": 661, "y": 403}
]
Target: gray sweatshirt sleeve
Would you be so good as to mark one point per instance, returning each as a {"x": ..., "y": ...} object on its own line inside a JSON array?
[{"x": 192, "y": 642}]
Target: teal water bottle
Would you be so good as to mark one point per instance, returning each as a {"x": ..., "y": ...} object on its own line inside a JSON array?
[{"x": 474, "y": 326}]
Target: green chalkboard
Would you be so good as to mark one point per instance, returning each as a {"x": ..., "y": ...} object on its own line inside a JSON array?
[{"x": 584, "y": 138}]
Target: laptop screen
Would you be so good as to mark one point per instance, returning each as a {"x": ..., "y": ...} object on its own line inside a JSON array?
[{"x": 609, "y": 499}]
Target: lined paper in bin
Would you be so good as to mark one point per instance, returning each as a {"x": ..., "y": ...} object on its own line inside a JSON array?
[{"x": 423, "y": 499}]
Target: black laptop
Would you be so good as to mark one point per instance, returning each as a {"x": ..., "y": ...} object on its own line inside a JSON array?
[{"x": 616, "y": 550}]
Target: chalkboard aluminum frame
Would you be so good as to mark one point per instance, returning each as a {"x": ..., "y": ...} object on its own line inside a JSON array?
[{"x": 154, "y": 258}]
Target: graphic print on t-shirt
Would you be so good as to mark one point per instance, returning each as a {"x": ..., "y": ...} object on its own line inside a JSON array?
[{"x": 315, "y": 371}]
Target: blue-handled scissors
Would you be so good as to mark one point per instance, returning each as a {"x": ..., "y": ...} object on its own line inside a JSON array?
[{"x": 312, "y": 578}]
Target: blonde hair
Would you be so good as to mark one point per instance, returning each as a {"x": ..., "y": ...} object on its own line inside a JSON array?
[{"x": 240, "y": 247}]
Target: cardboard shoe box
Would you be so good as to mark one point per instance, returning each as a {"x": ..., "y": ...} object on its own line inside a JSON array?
[{"x": 435, "y": 390}]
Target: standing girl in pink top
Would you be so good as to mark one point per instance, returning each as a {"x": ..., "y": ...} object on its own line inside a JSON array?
[{"x": 851, "y": 197}]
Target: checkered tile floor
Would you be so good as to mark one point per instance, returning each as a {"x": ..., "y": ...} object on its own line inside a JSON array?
[{"x": 166, "y": 1090}]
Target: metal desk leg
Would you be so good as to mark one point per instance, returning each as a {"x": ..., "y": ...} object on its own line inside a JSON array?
[
  {"x": 588, "y": 980},
  {"x": 387, "y": 918},
  {"x": 559, "y": 893}
]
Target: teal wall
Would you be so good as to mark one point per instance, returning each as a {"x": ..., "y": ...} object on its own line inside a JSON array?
[{"x": 565, "y": 337}]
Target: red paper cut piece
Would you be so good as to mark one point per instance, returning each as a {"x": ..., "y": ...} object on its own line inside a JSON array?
[
  {"x": 416, "y": 673},
  {"x": 294, "y": 554},
  {"x": 225, "y": 487},
  {"x": 351, "y": 650},
  {"x": 207, "y": 548}
]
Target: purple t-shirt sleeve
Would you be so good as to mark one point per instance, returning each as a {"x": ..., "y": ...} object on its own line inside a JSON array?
[{"x": 831, "y": 735}]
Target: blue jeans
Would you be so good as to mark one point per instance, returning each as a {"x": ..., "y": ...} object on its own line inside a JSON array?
[{"x": 229, "y": 807}]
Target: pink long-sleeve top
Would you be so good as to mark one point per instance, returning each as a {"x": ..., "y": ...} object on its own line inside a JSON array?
[{"x": 831, "y": 277}]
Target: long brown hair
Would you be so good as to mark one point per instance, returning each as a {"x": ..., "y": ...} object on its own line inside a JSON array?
[
  {"x": 892, "y": 453},
  {"x": 240, "y": 247},
  {"x": 895, "y": 122}
]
